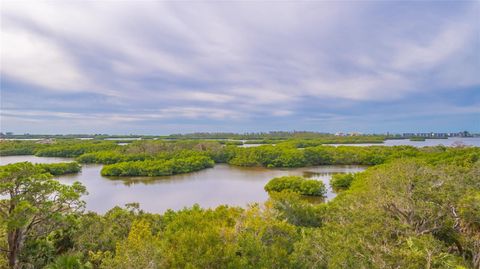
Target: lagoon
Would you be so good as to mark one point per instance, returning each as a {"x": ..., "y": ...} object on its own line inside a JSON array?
[{"x": 222, "y": 184}]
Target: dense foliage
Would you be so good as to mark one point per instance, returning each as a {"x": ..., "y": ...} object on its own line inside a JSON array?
[
  {"x": 415, "y": 208},
  {"x": 162, "y": 167},
  {"x": 300, "y": 185},
  {"x": 57, "y": 169},
  {"x": 74, "y": 149},
  {"x": 109, "y": 157},
  {"x": 32, "y": 205},
  {"x": 13, "y": 147},
  {"x": 285, "y": 156},
  {"x": 402, "y": 215},
  {"x": 290, "y": 153},
  {"x": 54, "y": 148},
  {"x": 341, "y": 182}
]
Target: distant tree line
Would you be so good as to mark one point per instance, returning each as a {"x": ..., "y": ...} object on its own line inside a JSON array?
[{"x": 290, "y": 153}]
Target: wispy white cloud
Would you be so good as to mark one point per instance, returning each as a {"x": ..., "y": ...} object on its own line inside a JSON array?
[
  {"x": 142, "y": 115},
  {"x": 31, "y": 58},
  {"x": 234, "y": 61}
]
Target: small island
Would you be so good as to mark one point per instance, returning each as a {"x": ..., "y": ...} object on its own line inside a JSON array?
[{"x": 297, "y": 184}]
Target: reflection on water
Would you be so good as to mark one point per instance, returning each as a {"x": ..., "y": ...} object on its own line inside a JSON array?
[
  {"x": 33, "y": 159},
  {"x": 311, "y": 174},
  {"x": 222, "y": 184}
]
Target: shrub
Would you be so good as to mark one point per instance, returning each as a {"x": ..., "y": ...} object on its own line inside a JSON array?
[
  {"x": 296, "y": 184},
  {"x": 341, "y": 181},
  {"x": 57, "y": 169},
  {"x": 163, "y": 167}
]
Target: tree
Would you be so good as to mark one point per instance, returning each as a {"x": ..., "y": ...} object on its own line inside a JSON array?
[
  {"x": 138, "y": 250},
  {"x": 469, "y": 216},
  {"x": 340, "y": 182},
  {"x": 262, "y": 241},
  {"x": 67, "y": 262},
  {"x": 290, "y": 206},
  {"x": 198, "y": 238},
  {"x": 35, "y": 205},
  {"x": 310, "y": 187}
]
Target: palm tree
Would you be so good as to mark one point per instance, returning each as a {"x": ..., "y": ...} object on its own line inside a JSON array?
[{"x": 67, "y": 261}]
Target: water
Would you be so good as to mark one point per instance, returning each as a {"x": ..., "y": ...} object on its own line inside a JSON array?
[
  {"x": 33, "y": 159},
  {"x": 222, "y": 184},
  {"x": 254, "y": 145},
  {"x": 468, "y": 141}
]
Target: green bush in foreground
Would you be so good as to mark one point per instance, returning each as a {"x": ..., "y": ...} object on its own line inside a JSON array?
[
  {"x": 340, "y": 182},
  {"x": 33, "y": 205},
  {"x": 301, "y": 185}
]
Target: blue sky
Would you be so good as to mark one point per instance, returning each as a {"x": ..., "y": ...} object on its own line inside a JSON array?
[{"x": 150, "y": 67}]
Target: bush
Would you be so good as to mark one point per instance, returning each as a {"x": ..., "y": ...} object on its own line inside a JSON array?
[
  {"x": 341, "y": 182},
  {"x": 163, "y": 167},
  {"x": 111, "y": 157},
  {"x": 10, "y": 148},
  {"x": 57, "y": 169},
  {"x": 295, "y": 209},
  {"x": 74, "y": 148},
  {"x": 301, "y": 185}
]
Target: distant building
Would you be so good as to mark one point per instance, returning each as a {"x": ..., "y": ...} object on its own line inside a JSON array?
[
  {"x": 440, "y": 135},
  {"x": 460, "y": 134},
  {"x": 424, "y": 135},
  {"x": 427, "y": 135}
]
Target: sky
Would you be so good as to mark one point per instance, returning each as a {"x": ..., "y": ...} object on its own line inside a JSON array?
[{"x": 147, "y": 67}]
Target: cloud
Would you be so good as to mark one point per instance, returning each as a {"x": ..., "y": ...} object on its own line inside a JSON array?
[
  {"x": 361, "y": 87},
  {"x": 31, "y": 58},
  {"x": 142, "y": 115},
  {"x": 244, "y": 62},
  {"x": 200, "y": 96}
]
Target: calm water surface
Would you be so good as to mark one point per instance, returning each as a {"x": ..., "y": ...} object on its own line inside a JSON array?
[
  {"x": 469, "y": 141},
  {"x": 33, "y": 159},
  {"x": 222, "y": 184}
]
